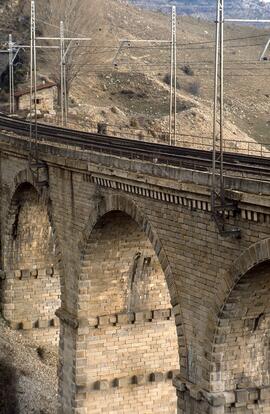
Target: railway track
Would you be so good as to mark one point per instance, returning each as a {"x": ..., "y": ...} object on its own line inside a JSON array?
[{"x": 158, "y": 153}]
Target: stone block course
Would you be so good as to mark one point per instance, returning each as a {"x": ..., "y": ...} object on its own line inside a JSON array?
[
  {"x": 172, "y": 209},
  {"x": 30, "y": 295}
]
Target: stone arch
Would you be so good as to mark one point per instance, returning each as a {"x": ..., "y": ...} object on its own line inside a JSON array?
[
  {"x": 257, "y": 253},
  {"x": 31, "y": 289},
  {"x": 117, "y": 202},
  {"x": 22, "y": 177},
  {"x": 117, "y": 219},
  {"x": 241, "y": 351}
]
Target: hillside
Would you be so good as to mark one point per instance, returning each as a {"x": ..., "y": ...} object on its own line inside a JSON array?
[
  {"x": 132, "y": 97},
  {"x": 142, "y": 71}
]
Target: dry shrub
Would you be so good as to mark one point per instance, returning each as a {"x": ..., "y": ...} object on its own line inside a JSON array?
[
  {"x": 187, "y": 69},
  {"x": 134, "y": 123},
  {"x": 194, "y": 88}
]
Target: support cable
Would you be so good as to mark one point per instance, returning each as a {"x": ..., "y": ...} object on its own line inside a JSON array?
[
  {"x": 265, "y": 50},
  {"x": 62, "y": 45},
  {"x": 220, "y": 205},
  {"x": 174, "y": 70},
  {"x": 11, "y": 82}
]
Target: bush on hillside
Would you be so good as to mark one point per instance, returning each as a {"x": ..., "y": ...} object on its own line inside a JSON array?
[
  {"x": 167, "y": 80},
  {"x": 187, "y": 69},
  {"x": 194, "y": 88}
]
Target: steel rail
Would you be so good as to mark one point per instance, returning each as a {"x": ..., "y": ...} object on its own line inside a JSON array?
[{"x": 189, "y": 157}]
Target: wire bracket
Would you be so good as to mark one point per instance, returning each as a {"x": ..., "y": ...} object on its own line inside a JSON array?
[{"x": 222, "y": 209}]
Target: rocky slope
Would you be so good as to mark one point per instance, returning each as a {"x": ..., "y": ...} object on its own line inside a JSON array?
[
  {"x": 28, "y": 379},
  {"x": 137, "y": 88},
  {"x": 131, "y": 93}
]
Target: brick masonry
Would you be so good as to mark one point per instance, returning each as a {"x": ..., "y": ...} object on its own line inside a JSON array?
[
  {"x": 95, "y": 197},
  {"x": 123, "y": 284},
  {"x": 31, "y": 286},
  {"x": 241, "y": 349},
  {"x": 45, "y": 100}
]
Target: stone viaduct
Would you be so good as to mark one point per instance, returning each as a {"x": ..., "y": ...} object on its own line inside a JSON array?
[{"x": 156, "y": 311}]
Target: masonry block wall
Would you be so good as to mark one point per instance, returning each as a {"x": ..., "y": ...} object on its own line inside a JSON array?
[
  {"x": 197, "y": 262},
  {"x": 45, "y": 100},
  {"x": 201, "y": 261},
  {"x": 31, "y": 290},
  {"x": 204, "y": 272},
  {"x": 129, "y": 350},
  {"x": 241, "y": 349}
]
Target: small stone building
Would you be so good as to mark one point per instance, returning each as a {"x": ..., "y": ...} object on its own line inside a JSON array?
[{"x": 45, "y": 99}]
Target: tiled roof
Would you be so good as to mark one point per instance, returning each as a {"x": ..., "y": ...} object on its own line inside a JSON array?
[{"x": 40, "y": 87}]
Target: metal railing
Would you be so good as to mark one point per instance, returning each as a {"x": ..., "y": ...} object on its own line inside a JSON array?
[{"x": 200, "y": 142}]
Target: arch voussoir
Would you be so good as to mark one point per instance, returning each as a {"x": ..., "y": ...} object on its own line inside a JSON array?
[
  {"x": 121, "y": 203},
  {"x": 29, "y": 222},
  {"x": 242, "y": 325},
  {"x": 257, "y": 253},
  {"x": 107, "y": 208}
]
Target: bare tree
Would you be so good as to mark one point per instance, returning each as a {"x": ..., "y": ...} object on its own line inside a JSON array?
[{"x": 81, "y": 18}]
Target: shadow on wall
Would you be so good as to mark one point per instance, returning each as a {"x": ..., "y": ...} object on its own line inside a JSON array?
[
  {"x": 1, "y": 296},
  {"x": 8, "y": 388}
]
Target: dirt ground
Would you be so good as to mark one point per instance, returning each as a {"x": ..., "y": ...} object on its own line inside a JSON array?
[{"x": 28, "y": 375}]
